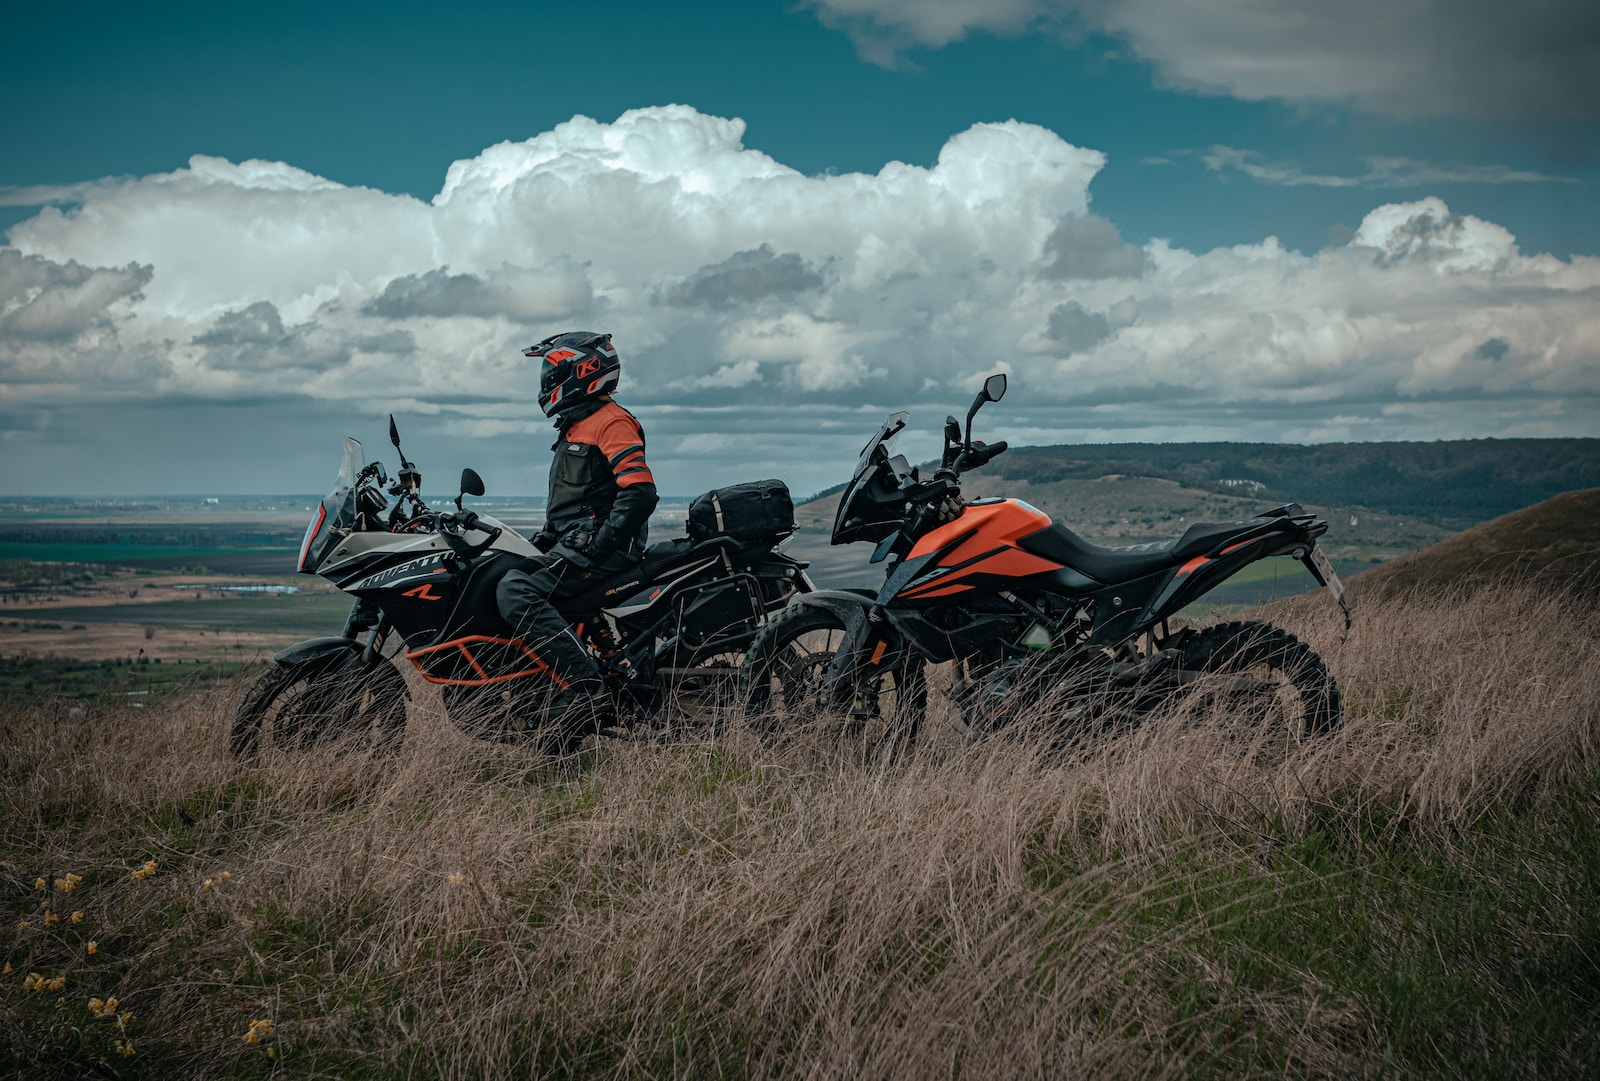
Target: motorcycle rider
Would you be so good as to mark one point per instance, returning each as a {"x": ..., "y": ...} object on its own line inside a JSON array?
[{"x": 600, "y": 499}]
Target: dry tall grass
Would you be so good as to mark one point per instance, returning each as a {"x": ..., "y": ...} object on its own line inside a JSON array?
[{"x": 705, "y": 909}]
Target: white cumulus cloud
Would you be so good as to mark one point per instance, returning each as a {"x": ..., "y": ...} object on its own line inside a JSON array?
[{"x": 777, "y": 310}]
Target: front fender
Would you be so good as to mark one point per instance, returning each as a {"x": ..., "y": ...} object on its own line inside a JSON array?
[
  {"x": 851, "y": 608},
  {"x": 848, "y": 604},
  {"x": 315, "y": 649}
]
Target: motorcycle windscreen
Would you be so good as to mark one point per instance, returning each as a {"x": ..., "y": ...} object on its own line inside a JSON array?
[
  {"x": 870, "y": 506},
  {"x": 336, "y": 516}
]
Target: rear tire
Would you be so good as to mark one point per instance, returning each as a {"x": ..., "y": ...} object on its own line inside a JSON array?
[
  {"x": 791, "y": 655},
  {"x": 298, "y": 707},
  {"x": 1274, "y": 676}
]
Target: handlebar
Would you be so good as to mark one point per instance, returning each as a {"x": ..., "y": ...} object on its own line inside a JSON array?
[
  {"x": 453, "y": 528},
  {"x": 979, "y": 454}
]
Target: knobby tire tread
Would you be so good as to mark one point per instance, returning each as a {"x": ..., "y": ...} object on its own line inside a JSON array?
[
  {"x": 1241, "y": 643},
  {"x": 384, "y": 684}
]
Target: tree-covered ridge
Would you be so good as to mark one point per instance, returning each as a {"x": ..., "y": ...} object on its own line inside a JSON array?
[{"x": 1452, "y": 482}]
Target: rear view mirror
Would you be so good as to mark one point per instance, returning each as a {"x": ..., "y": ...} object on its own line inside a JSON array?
[
  {"x": 471, "y": 483},
  {"x": 994, "y": 388}
]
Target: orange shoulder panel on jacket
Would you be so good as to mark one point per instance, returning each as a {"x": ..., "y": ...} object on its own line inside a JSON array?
[{"x": 620, "y": 438}]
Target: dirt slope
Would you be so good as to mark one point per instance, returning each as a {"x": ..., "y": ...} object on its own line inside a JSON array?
[{"x": 1556, "y": 541}]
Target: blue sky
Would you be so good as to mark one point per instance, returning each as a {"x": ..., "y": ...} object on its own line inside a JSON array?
[{"x": 1494, "y": 121}]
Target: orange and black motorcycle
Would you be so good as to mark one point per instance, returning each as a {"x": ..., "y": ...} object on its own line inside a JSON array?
[{"x": 1034, "y": 618}]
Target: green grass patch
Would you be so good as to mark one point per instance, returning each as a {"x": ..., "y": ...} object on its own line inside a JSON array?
[
  {"x": 132, "y": 553},
  {"x": 1471, "y": 956},
  {"x": 41, "y": 679}
]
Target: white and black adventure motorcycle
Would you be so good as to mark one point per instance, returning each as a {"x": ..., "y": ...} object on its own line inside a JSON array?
[{"x": 673, "y": 632}]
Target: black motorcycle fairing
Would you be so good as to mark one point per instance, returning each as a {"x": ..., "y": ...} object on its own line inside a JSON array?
[
  {"x": 476, "y": 610},
  {"x": 909, "y": 570},
  {"x": 872, "y": 505},
  {"x": 943, "y": 634},
  {"x": 1125, "y": 609}
]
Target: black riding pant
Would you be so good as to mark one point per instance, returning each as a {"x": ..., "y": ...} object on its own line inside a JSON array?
[{"x": 537, "y": 602}]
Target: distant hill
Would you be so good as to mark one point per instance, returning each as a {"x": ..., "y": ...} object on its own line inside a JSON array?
[
  {"x": 1556, "y": 541},
  {"x": 1381, "y": 499},
  {"x": 1134, "y": 509},
  {"x": 1453, "y": 483}
]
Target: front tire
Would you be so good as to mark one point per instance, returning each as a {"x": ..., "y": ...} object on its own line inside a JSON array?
[
  {"x": 1265, "y": 673},
  {"x": 297, "y": 707},
  {"x": 791, "y": 656}
]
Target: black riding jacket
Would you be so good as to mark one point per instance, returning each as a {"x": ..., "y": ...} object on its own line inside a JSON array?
[{"x": 599, "y": 481}]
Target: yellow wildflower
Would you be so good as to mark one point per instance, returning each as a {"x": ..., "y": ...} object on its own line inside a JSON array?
[
  {"x": 39, "y": 884},
  {"x": 68, "y": 884},
  {"x": 23, "y": 925},
  {"x": 77, "y": 917},
  {"x": 259, "y": 1030},
  {"x": 92, "y": 946},
  {"x": 146, "y": 871},
  {"x": 31, "y": 981},
  {"x": 124, "y": 1048},
  {"x": 103, "y": 1008},
  {"x": 7, "y": 971},
  {"x": 227, "y": 874},
  {"x": 57, "y": 984},
  {"x": 457, "y": 878},
  {"x": 50, "y": 918},
  {"x": 206, "y": 885}
]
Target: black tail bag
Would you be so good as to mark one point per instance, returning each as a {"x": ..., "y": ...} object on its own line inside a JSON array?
[{"x": 754, "y": 511}]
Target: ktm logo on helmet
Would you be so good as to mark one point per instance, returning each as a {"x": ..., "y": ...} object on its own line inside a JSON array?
[{"x": 587, "y": 367}]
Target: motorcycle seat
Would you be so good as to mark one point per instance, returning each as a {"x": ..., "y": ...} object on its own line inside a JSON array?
[
  {"x": 1201, "y": 537},
  {"x": 666, "y": 554},
  {"x": 1105, "y": 565},
  {"x": 663, "y": 557}
]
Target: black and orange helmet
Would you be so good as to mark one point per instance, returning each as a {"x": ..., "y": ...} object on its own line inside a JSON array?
[{"x": 578, "y": 367}]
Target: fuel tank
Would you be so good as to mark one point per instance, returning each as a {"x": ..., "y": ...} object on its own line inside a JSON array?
[{"x": 977, "y": 551}]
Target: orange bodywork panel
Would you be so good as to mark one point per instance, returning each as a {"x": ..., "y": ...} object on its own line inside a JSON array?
[{"x": 998, "y": 526}]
